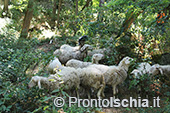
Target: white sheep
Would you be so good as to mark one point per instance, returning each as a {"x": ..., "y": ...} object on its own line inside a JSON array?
[
  {"x": 162, "y": 69},
  {"x": 54, "y": 64},
  {"x": 38, "y": 80},
  {"x": 114, "y": 75},
  {"x": 58, "y": 80},
  {"x": 67, "y": 52},
  {"x": 46, "y": 82},
  {"x": 143, "y": 68},
  {"x": 80, "y": 64},
  {"x": 89, "y": 78}
]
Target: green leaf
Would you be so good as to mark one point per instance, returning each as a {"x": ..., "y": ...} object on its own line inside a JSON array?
[
  {"x": 45, "y": 107},
  {"x": 46, "y": 98},
  {"x": 36, "y": 110},
  {"x": 55, "y": 91}
]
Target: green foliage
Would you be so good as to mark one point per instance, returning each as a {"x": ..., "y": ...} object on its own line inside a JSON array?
[{"x": 19, "y": 58}]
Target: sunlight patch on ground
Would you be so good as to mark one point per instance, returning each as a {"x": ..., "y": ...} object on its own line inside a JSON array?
[
  {"x": 4, "y": 22},
  {"x": 47, "y": 33}
]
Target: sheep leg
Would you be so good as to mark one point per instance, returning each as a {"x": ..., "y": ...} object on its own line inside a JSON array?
[
  {"x": 103, "y": 95},
  {"x": 114, "y": 91},
  {"x": 77, "y": 93},
  {"x": 101, "y": 92},
  {"x": 88, "y": 94},
  {"x": 103, "y": 86},
  {"x": 39, "y": 84},
  {"x": 117, "y": 90}
]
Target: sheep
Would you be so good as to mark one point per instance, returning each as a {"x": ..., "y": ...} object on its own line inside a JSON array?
[
  {"x": 162, "y": 69},
  {"x": 67, "y": 52},
  {"x": 80, "y": 64},
  {"x": 40, "y": 81},
  {"x": 89, "y": 78},
  {"x": 68, "y": 77},
  {"x": 143, "y": 68},
  {"x": 114, "y": 75},
  {"x": 96, "y": 58},
  {"x": 117, "y": 74},
  {"x": 54, "y": 64},
  {"x": 71, "y": 78}
]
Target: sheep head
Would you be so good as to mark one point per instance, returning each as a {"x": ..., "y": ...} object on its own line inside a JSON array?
[
  {"x": 33, "y": 82},
  {"x": 136, "y": 73},
  {"x": 156, "y": 69},
  {"x": 85, "y": 48},
  {"x": 82, "y": 40},
  {"x": 97, "y": 57},
  {"x": 125, "y": 62}
]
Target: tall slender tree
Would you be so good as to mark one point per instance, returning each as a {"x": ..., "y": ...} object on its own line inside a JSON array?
[
  {"x": 54, "y": 14},
  {"x": 58, "y": 14},
  {"x": 76, "y": 7},
  {"x": 5, "y": 9},
  {"x": 27, "y": 19},
  {"x": 86, "y": 5},
  {"x": 100, "y": 15}
]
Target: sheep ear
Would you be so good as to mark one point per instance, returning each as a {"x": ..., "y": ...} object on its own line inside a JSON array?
[
  {"x": 160, "y": 70},
  {"x": 132, "y": 72}
]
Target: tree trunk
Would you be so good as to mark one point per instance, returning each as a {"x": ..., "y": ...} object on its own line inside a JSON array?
[
  {"x": 54, "y": 15},
  {"x": 6, "y": 5},
  {"x": 100, "y": 15},
  {"x": 76, "y": 7},
  {"x": 130, "y": 18},
  {"x": 27, "y": 19},
  {"x": 86, "y": 5},
  {"x": 76, "y": 14},
  {"x": 58, "y": 14},
  {"x": 5, "y": 9}
]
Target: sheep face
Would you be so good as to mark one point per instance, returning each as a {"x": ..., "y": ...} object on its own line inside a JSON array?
[
  {"x": 32, "y": 83},
  {"x": 97, "y": 57},
  {"x": 125, "y": 63},
  {"x": 136, "y": 73},
  {"x": 127, "y": 60}
]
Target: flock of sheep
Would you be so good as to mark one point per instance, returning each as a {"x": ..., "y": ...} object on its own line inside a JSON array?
[{"x": 89, "y": 75}]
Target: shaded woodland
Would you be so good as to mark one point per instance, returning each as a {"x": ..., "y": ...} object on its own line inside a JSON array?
[{"x": 31, "y": 30}]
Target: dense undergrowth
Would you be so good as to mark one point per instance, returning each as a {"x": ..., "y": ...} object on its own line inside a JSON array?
[{"x": 144, "y": 40}]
